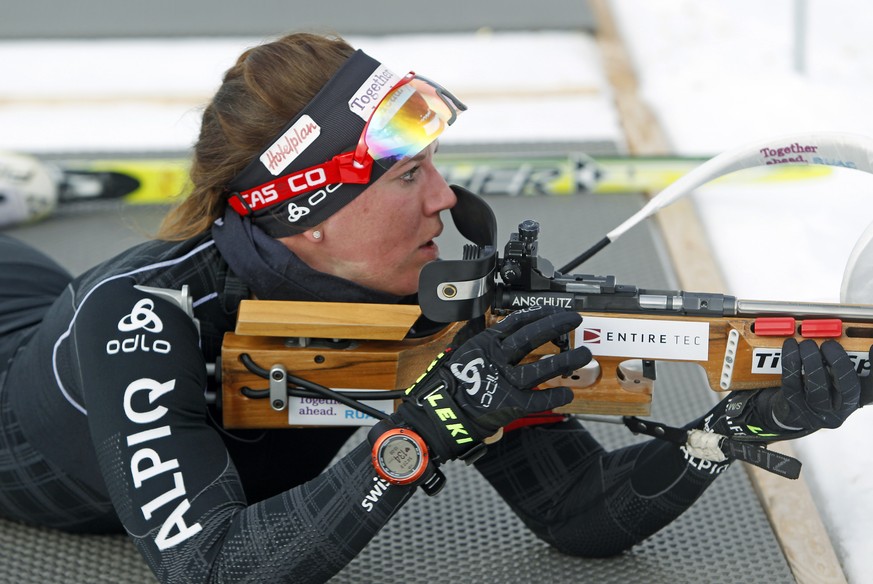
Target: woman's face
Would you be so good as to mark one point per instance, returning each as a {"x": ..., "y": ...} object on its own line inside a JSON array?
[{"x": 386, "y": 234}]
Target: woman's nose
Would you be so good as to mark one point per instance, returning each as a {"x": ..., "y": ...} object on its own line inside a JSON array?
[{"x": 441, "y": 197}]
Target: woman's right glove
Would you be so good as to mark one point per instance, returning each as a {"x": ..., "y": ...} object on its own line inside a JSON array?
[{"x": 468, "y": 393}]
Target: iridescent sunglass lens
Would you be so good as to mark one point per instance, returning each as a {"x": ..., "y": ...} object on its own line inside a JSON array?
[{"x": 409, "y": 119}]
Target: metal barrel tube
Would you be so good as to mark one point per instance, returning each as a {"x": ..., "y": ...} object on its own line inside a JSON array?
[{"x": 862, "y": 312}]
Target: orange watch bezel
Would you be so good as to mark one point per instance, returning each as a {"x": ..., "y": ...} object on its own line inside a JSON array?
[{"x": 424, "y": 457}]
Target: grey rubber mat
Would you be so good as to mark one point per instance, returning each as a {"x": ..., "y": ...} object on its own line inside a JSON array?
[{"x": 466, "y": 534}]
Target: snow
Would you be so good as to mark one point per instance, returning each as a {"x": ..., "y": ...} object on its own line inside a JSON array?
[
  {"x": 88, "y": 97},
  {"x": 717, "y": 75},
  {"x": 722, "y": 74}
]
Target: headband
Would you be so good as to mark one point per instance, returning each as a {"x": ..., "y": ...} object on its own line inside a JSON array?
[{"x": 330, "y": 124}]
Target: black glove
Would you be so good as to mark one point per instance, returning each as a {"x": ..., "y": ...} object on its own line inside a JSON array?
[
  {"x": 470, "y": 392},
  {"x": 821, "y": 394}
]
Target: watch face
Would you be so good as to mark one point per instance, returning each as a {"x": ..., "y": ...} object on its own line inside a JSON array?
[{"x": 399, "y": 457}]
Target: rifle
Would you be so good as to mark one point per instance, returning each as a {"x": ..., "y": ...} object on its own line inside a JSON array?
[{"x": 310, "y": 347}]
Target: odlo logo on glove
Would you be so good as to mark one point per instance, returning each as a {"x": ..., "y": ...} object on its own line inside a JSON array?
[
  {"x": 472, "y": 379},
  {"x": 481, "y": 385}
]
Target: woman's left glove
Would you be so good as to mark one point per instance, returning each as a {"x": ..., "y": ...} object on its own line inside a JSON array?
[
  {"x": 470, "y": 392},
  {"x": 820, "y": 389}
]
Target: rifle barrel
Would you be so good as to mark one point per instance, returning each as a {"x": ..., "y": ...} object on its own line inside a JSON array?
[{"x": 861, "y": 312}]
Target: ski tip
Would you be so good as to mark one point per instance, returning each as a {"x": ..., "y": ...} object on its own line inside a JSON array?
[{"x": 28, "y": 189}]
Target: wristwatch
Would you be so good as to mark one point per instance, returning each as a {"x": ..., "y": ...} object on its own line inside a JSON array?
[{"x": 400, "y": 456}]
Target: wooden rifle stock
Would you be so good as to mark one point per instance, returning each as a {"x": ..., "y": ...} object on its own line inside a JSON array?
[{"x": 364, "y": 346}]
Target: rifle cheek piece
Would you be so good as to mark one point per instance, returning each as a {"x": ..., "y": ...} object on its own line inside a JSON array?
[{"x": 457, "y": 290}]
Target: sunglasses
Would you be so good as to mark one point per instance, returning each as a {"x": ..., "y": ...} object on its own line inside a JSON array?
[{"x": 406, "y": 121}]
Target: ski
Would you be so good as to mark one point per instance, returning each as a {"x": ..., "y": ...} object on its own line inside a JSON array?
[
  {"x": 135, "y": 181},
  {"x": 142, "y": 180},
  {"x": 579, "y": 173},
  {"x": 162, "y": 181}
]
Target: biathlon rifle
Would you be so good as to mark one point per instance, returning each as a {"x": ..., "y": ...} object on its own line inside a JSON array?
[{"x": 301, "y": 349}]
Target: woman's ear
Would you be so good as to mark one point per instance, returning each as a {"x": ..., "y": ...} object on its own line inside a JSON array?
[
  {"x": 314, "y": 235},
  {"x": 298, "y": 243}
]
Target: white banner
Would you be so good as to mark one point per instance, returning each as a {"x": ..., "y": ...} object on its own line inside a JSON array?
[
  {"x": 769, "y": 361},
  {"x": 316, "y": 411},
  {"x": 644, "y": 338}
]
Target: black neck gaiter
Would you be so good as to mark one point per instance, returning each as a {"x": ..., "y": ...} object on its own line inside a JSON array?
[{"x": 273, "y": 272}]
